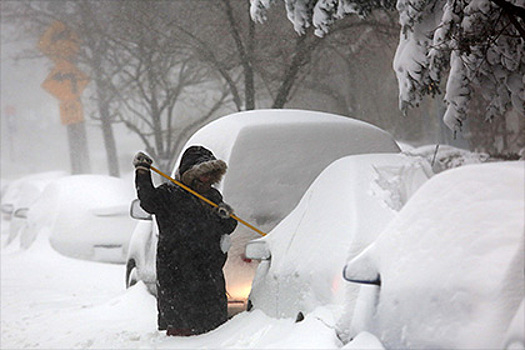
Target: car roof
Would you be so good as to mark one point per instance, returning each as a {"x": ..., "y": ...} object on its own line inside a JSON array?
[{"x": 274, "y": 155}]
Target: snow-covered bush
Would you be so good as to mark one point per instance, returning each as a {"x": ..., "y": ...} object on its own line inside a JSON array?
[{"x": 443, "y": 157}]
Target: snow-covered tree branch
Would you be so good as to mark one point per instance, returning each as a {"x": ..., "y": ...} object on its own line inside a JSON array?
[{"x": 475, "y": 48}]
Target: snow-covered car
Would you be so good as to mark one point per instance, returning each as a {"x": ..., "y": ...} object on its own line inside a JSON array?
[
  {"x": 342, "y": 212},
  {"x": 19, "y": 195},
  {"x": 86, "y": 217},
  {"x": 140, "y": 263},
  {"x": 272, "y": 156},
  {"x": 448, "y": 271},
  {"x": 22, "y": 192}
]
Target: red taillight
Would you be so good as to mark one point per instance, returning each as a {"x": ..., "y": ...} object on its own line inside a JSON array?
[{"x": 245, "y": 259}]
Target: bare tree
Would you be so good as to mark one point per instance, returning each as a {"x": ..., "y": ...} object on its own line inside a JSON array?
[
  {"x": 164, "y": 68},
  {"x": 158, "y": 80},
  {"x": 254, "y": 65},
  {"x": 92, "y": 19},
  {"x": 87, "y": 20}
]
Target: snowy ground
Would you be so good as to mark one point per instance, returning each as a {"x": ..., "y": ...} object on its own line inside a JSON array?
[{"x": 53, "y": 302}]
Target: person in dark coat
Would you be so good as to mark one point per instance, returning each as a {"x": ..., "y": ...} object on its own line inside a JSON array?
[{"x": 191, "y": 292}]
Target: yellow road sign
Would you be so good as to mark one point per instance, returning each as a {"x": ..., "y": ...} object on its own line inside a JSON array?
[
  {"x": 66, "y": 82},
  {"x": 59, "y": 42},
  {"x": 71, "y": 112}
]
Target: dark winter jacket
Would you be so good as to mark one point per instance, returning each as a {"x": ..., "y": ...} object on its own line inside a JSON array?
[{"x": 191, "y": 292}]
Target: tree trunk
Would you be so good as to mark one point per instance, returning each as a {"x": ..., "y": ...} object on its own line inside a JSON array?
[
  {"x": 248, "y": 68},
  {"x": 78, "y": 148},
  {"x": 303, "y": 50},
  {"x": 107, "y": 127},
  {"x": 109, "y": 139}
]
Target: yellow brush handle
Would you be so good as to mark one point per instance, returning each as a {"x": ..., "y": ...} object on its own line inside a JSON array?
[{"x": 198, "y": 195}]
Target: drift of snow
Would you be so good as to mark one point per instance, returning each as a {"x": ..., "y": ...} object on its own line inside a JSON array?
[{"x": 54, "y": 302}]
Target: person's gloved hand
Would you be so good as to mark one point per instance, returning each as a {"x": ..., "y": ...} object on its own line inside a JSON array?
[
  {"x": 224, "y": 210},
  {"x": 142, "y": 161}
]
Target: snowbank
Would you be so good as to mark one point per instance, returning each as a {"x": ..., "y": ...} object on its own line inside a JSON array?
[{"x": 53, "y": 302}]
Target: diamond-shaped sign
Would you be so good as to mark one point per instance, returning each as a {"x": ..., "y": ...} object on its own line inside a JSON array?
[
  {"x": 66, "y": 82},
  {"x": 59, "y": 42}
]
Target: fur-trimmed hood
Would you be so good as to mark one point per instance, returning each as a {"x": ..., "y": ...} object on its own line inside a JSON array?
[{"x": 197, "y": 161}]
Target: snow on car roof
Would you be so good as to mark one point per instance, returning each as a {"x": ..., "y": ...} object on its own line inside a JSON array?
[
  {"x": 274, "y": 155},
  {"x": 25, "y": 190},
  {"x": 230, "y": 126}
]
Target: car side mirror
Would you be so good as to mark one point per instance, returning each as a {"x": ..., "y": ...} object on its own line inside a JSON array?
[
  {"x": 136, "y": 211},
  {"x": 257, "y": 250},
  {"x": 21, "y": 213},
  {"x": 362, "y": 270},
  {"x": 7, "y": 209}
]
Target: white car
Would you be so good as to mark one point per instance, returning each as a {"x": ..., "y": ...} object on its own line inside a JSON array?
[
  {"x": 272, "y": 156},
  {"x": 448, "y": 271},
  {"x": 19, "y": 195},
  {"x": 342, "y": 212},
  {"x": 86, "y": 217}
]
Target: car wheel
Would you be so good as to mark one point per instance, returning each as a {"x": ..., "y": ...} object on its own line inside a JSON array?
[{"x": 131, "y": 273}]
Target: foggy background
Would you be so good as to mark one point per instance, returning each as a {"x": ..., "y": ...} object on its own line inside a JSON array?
[
  {"x": 34, "y": 140},
  {"x": 350, "y": 75}
]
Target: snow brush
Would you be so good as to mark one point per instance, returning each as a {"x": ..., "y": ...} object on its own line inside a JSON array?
[{"x": 198, "y": 195}]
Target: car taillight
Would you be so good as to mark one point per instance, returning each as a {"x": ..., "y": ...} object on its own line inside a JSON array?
[{"x": 245, "y": 259}]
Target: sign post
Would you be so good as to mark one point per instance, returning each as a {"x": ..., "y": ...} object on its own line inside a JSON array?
[
  {"x": 10, "y": 113},
  {"x": 66, "y": 82}
]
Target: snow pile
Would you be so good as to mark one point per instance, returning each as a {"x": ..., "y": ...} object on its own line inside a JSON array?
[{"x": 451, "y": 264}]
